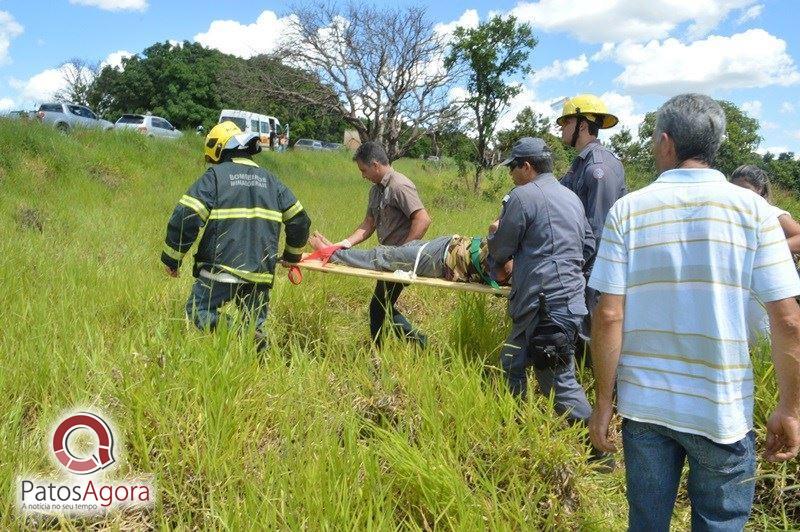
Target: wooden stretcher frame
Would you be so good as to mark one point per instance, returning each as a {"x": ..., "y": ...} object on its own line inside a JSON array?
[{"x": 315, "y": 265}]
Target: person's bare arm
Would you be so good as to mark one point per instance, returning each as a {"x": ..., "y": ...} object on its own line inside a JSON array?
[
  {"x": 783, "y": 426},
  {"x": 792, "y": 231},
  {"x": 606, "y": 347},
  {"x": 420, "y": 221},
  {"x": 363, "y": 231}
]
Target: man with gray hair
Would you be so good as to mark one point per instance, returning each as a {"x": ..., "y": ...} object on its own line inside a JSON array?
[
  {"x": 676, "y": 265},
  {"x": 396, "y": 213}
]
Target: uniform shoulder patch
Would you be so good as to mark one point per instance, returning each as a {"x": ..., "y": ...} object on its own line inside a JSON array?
[{"x": 597, "y": 172}]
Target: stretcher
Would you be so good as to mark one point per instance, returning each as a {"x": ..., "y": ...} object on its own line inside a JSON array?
[{"x": 396, "y": 277}]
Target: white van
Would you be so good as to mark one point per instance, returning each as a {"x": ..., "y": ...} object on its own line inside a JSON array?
[{"x": 254, "y": 123}]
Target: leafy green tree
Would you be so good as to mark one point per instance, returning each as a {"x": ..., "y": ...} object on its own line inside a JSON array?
[
  {"x": 174, "y": 81},
  {"x": 528, "y": 123},
  {"x": 741, "y": 140},
  {"x": 491, "y": 54}
]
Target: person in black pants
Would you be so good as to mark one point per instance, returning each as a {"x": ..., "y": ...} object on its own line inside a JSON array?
[{"x": 396, "y": 213}]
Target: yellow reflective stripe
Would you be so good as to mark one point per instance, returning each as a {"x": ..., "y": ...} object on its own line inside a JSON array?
[
  {"x": 244, "y": 160},
  {"x": 247, "y": 276},
  {"x": 292, "y": 211},
  {"x": 173, "y": 254},
  {"x": 257, "y": 212},
  {"x": 293, "y": 250},
  {"x": 196, "y": 205}
]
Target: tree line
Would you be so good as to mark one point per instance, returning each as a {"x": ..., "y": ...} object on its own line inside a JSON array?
[{"x": 389, "y": 73}]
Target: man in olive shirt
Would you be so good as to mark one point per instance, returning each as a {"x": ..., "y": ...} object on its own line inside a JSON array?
[{"x": 395, "y": 211}]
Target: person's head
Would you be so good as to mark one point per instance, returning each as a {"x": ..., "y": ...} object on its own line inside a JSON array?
[
  {"x": 582, "y": 118},
  {"x": 689, "y": 127},
  {"x": 226, "y": 140},
  {"x": 754, "y": 178},
  {"x": 529, "y": 158},
  {"x": 372, "y": 161}
]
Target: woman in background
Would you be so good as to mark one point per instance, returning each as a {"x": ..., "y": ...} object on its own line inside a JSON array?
[{"x": 756, "y": 179}]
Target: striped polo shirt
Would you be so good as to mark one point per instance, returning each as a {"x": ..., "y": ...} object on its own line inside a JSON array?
[{"x": 687, "y": 252}]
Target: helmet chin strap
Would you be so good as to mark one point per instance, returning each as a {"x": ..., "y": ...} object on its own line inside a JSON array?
[{"x": 578, "y": 120}]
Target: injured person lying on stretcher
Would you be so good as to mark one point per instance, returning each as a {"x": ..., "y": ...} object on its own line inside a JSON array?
[{"x": 453, "y": 258}]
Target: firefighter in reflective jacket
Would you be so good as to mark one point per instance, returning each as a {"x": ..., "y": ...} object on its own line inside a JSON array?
[{"x": 242, "y": 208}]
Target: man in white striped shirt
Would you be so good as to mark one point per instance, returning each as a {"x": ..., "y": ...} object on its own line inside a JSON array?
[{"x": 676, "y": 266}]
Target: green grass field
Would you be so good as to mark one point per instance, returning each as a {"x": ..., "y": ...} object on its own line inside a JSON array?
[{"x": 324, "y": 434}]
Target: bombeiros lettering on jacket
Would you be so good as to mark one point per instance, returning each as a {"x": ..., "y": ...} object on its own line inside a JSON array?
[{"x": 247, "y": 180}]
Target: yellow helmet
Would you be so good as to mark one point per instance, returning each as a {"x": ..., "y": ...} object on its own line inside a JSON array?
[
  {"x": 589, "y": 106},
  {"x": 227, "y": 136}
]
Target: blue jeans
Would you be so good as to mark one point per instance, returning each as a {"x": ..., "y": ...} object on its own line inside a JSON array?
[{"x": 721, "y": 477}]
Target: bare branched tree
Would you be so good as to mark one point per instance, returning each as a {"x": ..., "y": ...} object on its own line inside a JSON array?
[
  {"x": 78, "y": 77},
  {"x": 381, "y": 70}
]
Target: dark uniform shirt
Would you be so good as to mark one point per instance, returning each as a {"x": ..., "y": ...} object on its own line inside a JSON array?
[
  {"x": 544, "y": 229},
  {"x": 598, "y": 178},
  {"x": 242, "y": 208},
  {"x": 391, "y": 204}
]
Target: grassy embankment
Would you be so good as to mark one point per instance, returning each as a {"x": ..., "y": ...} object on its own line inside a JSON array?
[{"x": 325, "y": 434}]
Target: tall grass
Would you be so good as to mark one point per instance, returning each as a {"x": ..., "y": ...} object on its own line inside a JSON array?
[{"x": 323, "y": 433}]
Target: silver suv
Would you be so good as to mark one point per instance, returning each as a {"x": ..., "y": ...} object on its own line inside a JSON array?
[
  {"x": 65, "y": 116},
  {"x": 152, "y": 126}
]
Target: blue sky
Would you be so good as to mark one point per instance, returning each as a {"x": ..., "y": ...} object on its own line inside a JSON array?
[{"x": 635, "y": 53}]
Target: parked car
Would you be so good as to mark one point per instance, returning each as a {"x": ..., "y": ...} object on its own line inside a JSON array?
[
  {"x": 152, "y": 126},
  {"x": 65, "y": 116},
  {"x": 332, "y": 145},
  {"x": 308, "y": 144}
]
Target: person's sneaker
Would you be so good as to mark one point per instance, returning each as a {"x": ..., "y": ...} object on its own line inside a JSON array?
[{"x": 602, "y": 462}]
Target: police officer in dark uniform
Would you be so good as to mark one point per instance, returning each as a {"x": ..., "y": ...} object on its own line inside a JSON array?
[
  {"x": 596, "y": 175},
  {"x": 543, "y": 228},
  {"x": 242, "y": 208}
]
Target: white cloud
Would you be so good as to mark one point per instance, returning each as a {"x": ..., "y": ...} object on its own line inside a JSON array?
[
  {"x": 751, "y": 13},
  {"x": 752, "y": 108},
  {"x": 40, "y": 87},
  {"x": 605, "y": 52},
  {"x": 114, "y": 59},
  {"x": 754, "y": 58},
  {"x": 9, "y": 29},
  {"x": 113, "y": 5},
  {"x": 787, "y": 107},
  {"x": 599, "y": 21},
  {"x": 774, "y": 150},
  {"x": 245, "y": 40},
  {"x": 561, "y": 69},
  {"x": 766, "y": 124},
  {"x": 6, "y": 104},
  {"x": 624, "y": 108},
  {"x": 469, "y": 19}
]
